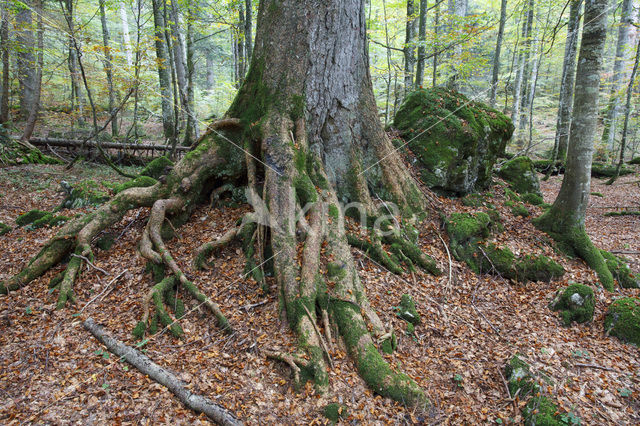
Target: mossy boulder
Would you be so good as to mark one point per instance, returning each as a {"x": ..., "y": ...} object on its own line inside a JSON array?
[
  {"x": 521, "y": 176},
  {"x": 623, "y": 319},
  {"x": 30, "y": 217},
  {"x": 620, "y": 270},
  {"x": 538, "y": 268},
  {"x": 494, "y": 259},
  {"x": 156, "y": 167},
  {"x": 82, "y": 194},
  {"x": 407, "y": 310},
  {"x": 48, "y": 220},
  {"x": 4, "y": 228},
  {"x": 519, "y": 378},
  {"x": 575, "y": 303},
  {"x": 335, "y": 412},
  {"x": 465, "y": 231},
  {"x": 531, "y": 198},
  {"x": 455, "y": 141}
]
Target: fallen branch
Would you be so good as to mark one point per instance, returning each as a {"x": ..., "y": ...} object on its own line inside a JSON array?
[
  {"x": 624, "y": 252},
  {"x": 89, "y": 263},
  {"x": 103, "y": 291},
  {"x": 197, "y": 403},
  {"x": 598, "y": 367}
]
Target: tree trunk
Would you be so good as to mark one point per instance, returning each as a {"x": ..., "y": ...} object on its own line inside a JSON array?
[
  {"x": 164, "y": 76},
  {"x": 496, "y": 55},
  {"x": 77, "y": 97},
  {"x": 565, "y": 219},
  {"x": 33, "y": 114},
  {"x": 108, "y": 69},
  {"x": 436, "y": 31},
  {"x": 126, "y": 39},
  {"x": 4, "y": 47},
  {"x": 526, "y": 73},
  {"x": 409, "y": 47},
  {"x": 619, "y": 65},
  {"x": 26, "y": 58},
  {"x": 422, "y": 39},
  {"x": 307, "y": 119},
  {"x": 239, "y": 39},
  {"x": 565, "y": 104},
  {"x": 627, "y": 113},
  {"x": 457, "y": 8},
  {"x": 192, "y": 121},
  {"x": 521, "y": 63},
  {"x": 248, "y": 30},
  {"x": 210, "y": 64}
]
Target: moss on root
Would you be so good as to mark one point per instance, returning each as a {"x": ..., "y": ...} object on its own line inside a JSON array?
[
  {"x": 139, "y": 182},
  {"x": 620, "y": 270},
  {"x": 157, "y": 167},
  {"x": 623, "y": 319},
  {"x": 575, "y": 303},
  {"x": 538, "y": 268}
]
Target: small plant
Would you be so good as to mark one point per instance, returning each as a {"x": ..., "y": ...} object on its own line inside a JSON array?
[
  {"x": 624, "y": 392},
  {"x": 458, "y": 380}
]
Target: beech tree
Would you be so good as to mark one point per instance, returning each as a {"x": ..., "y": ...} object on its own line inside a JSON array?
[
  {"x": 564, "y": 221},
  {"x": 307, "y": 121}
]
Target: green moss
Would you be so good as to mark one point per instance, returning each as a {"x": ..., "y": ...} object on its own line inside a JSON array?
[
  {"x": 512, "y": 196},
  {"x": 48, "y": 220},
  {"x": 139, "y": 182},
  {"x": 538, "y": 268},
  {"x": 520, "y": 210},
  {"x": 620, "y": 270},
  {"x": 491, "y": 258},
  {"x": 138, "y": 331},
  {"x": 389, "y": 345},
  {"x": 601, "y": 170},
  {"x": 598, "y": 194},
  {"x": 335, "y": 412},
  {"x": 4, "y": 228},
  {"x": 376, "y": 252},
  {"x": 156, "y": 167},
  {"x": 473, "y": 200},
  {"x": 455, "y": 140},
  {"x": 336, "y": 271},
  {"x": 410, "y": 329},
  {"x": 623, "y": 319},
  {"x": 407, "y": 310},
  {"x": 30, "y": 217},
  {"x": 635, "y": 160},
  {"x": 467, "y": 227},
  {"x": 531, "y": 198},
  {"x": 305, "y": 190},
  {"x": 575, "y": 303},
  {"x": 541, "y": 411},
  {"x": 157, "y": 271},
  {"x": 519, "y": 378},
  {"x": 334, "y": 212},
  {"x": 521, "y": 175},
  {"x": 84, "y": 193},
  {"x": 623, "y": 213}
]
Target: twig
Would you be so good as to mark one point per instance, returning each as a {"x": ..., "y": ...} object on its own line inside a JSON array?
[
  {"x": 599, "y": 367},
  {"x": 102, "y": 292},
  {"x": 447, "y": 287},
  {"x": 255, "y": 305},
  {"x": 291, "y": 360},
  {"x": 322, "y": 342},
  {"x": 624, "y": 252},
  {"x": 89, "y": 263}
]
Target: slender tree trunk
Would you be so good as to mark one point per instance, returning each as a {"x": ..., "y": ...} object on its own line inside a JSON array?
[
  {"x": 521, "y": 62},
  {"x": 164, "y": 76},
  {"x": 436, "y": 32},
  {"x": 422, "y": 39},
  {"x": 409, "y": 47},
  {"x": 177, "y": 43},
  {"x": 126, "y": 39},
  {"x": 496, "y": 56},
  {"x": 622, "y": 46},
  {"x": 210, "y": 64},
  {"x": 565, "y": 104},
  {"x": 33, "y": 114},
  {"x": 565, "y": 219},
  {"x": 248, "y": 30},
  {"x": 627, "y": 113},
  {"x": 4, "y": 47},
  {"x": 457, "y": 8},
  {"x": 388, "y": 50},
  {"x": 26, "y": 59},
  {"x": 191, "y": 131},
  {"x": 108, "y": 69},
  {"x": 240, "y": 46},
  {"x": 74, "y": 72},
  {"x": 527, "y": 68}
]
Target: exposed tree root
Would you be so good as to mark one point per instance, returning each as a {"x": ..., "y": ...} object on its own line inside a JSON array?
[{"x": 197, "y": 403}]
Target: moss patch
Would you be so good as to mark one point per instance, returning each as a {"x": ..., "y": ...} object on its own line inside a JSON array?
[
  {"x": 335, "y": 412},
  {"x": 30, "y": 217},
  {"x": 538, "y": 268},
  {"x": 83, "y": 193},
  {"x": 156, "y": 167},
  {"x": 540, "y": 410},
  {"x": 620, "y": 270},
  {"x": 520, "y": 210},
  {"x": 575, "y": 303},
  {"x": 521, "y": 175},
  {"x": 4, "y": 228},
  {"x": 623, "y": 319},
  {"x": 531, "y": 198},
  {"x": 519, "y": 378},
  {"x": 455, "y": 140},
  {"x": 139, "y": 182},
  {"x": 407, "y": 310}
]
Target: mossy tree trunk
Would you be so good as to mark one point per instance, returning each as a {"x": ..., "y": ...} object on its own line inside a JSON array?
[
  {"x": 565, "y": 219},
  {"x": 307, "y": 121}
]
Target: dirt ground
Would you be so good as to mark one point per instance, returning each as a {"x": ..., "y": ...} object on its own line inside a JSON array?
[{"x": 54, "y": 372}]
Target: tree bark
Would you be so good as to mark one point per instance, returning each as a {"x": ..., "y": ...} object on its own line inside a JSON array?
[
  {"x": 422, "y": 39},
  {"x": 619, "y": 64},
  {"x": 436, "y": 31},
  {"x": 77, "y": 97},
  {"x": 248, "y": 30},
  {"x": 409, "y": 47},
  {"x": 35, "y": 107},
  {"x": 565, "y": 103},
  {"x": 4, "y": 47},
  {"x": 108, "y": 69},
  {"x": 565, "y": 219},
  {"x": 26, "y": 58},
  {"x": 527, "y": 69},
  {"x": 164, "y": 76},
  {"x": 496, "y": 56},
  {"x": 126, "y": 39}
]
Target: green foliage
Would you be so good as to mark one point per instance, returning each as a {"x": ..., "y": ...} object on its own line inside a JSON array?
[
  {"x": 521, "y": 175},
  {"x": 623, "y": 319},
  {"x": 575, "y": 303},
  {"x": 456, "y": 141}
]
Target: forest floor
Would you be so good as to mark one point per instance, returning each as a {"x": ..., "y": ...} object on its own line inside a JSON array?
[{"x": 53, "y": 371}]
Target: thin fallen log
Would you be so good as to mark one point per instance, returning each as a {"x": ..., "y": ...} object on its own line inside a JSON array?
[
  {"x": 197, "y": 403},
  {"x": 73, "y": 143}
]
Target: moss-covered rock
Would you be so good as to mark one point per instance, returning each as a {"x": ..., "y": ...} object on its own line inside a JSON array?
[
  {"x": 82, "y": 194},
  {"x": 521, "y": 175},
  {"x": 4, "y": 228},
  {"x": 623, "y": 319},
  {"x": 531, "y": 198},
  {"x": 538, "y": 268},
  {"x": 156, "y": 167},
  {"x": 520, "y": 210},
  {"x": 30, "y": 217},
  {"x": 335, "y": 412},
  {"x": 15, "y": 154},
  {"x": 575, "y": 303},
  {"x": 407, "y": 310},
  {"x": 139, "y": 182},
  {"x": 519, "y": 378},
  {"x": 494, "y": 259},
  {"x": 620, "y": 270},
  {"x": 456, "y": 141},
  {"x": 541, "y": 411}
]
